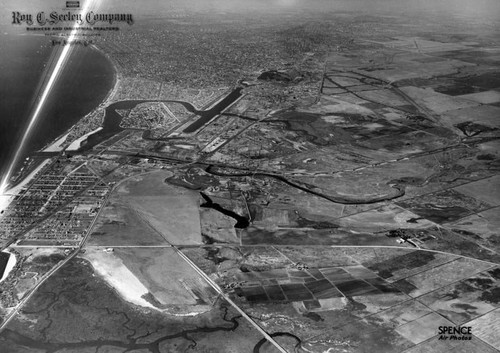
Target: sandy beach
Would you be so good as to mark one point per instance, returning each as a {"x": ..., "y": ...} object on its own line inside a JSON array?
[
  {"x": 10, "y": 265},
  {"x": 118, "y": 276},
  {"x": 75, "y": 145},
  {"x": 57, "y": 145},
  {"x": 8, "y": 196}
]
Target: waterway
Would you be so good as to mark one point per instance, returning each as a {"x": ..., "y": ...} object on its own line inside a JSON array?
[
  {"x": 8, "y": 263},
  {"x": 4, "y": 259},
  {"x": 112, "y": 119},
  {"x": 398, "y": 190},
  {"x": 261, "y": 343},
  {"x": 20, "y": 339},
  {"x": 207, "y": 115},
  {"x": 241, "y": 222}
]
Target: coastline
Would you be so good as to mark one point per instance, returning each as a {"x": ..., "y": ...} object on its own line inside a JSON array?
[
  {"x": 11, "y": 263},
  {"x": 56, "y": 144},
  {"x": 106, "y": 101},
  {"x": 77, "y": 144},
  {"x": 11, "y": 193}
]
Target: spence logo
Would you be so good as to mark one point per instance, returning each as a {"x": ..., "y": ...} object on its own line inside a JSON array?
[
  {"x": 72, "y": 4},
  {"x": 455, "y": 333}
]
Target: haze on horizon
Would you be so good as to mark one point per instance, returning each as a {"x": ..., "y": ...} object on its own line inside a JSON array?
[
  {"x": 480, "y": 12},
  {"x": 487, "y": 9}
]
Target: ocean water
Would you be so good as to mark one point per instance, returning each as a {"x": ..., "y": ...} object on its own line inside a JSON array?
[{"x": 84, "y": 83}]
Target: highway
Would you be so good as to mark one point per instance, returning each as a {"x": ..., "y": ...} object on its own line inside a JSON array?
[
  {"x": 226, "y": 297},
  {"x": 32, "y": 291},
  {"x": 53, "y": 270},
  {"x": 218, "y": 289}
]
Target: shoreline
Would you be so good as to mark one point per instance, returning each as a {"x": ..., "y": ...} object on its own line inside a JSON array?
[
  {"x": 56, "y": 144},
  {"x": 11, "y": 193},
  {"x": 117, "y": 78},
  {"x": 11, "y": 263},
  {"x": 77, "y": 144}
]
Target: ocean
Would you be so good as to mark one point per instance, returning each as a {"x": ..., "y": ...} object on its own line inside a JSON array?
[{"x": 83, "y": 85}]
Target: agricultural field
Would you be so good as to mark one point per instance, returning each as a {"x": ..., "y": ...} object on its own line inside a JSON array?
[
  {"x": 340, "y": 294},
  {"x": 271, "y": 176}
]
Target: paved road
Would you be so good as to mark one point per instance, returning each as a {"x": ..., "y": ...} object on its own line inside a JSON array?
[
  {"x": 226, "y": 297},
  {"x": 32, "y": 291}
]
